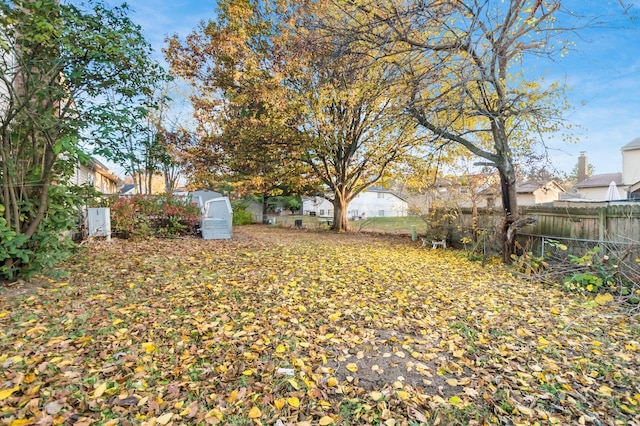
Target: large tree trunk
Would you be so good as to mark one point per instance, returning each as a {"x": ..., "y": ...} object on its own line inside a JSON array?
[
  {"x": 340, "y": 204},
  {"x": 510, "y": 207},
  {"x": 265, "y": 207}
]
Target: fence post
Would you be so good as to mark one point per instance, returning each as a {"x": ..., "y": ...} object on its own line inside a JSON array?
[{"x": 602, "y": 226}]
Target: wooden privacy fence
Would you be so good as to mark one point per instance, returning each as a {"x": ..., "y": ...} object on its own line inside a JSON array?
[
  {"x": 612, "y": 223},
  {"x": 575, "y": 226}
]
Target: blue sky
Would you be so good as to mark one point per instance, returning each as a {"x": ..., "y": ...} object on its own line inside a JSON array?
[{"x": 602, "y": 70}]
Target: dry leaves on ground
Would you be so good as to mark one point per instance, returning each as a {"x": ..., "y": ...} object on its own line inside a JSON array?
[{"x": 290, "y": 327}]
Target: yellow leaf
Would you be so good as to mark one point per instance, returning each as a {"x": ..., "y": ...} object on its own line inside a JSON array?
[
  {"x": 100, "y": 390},
  {"x": 293, "y": 401},
  {"x": 605, "y": 390},
  {"x": 255, "y": 413},
  {"x": 279, "y": 403},
  {"x": 247, "y": 372},
  {"x": 148, "y": 347},
  {"x": 455, "y": 400},
  {"x": 376, "y": 396},
  {"x": 525, "y": 410},
  {"x": 403, "y": 394},
  {"x": 112, "y": 422},
  {"x": 603, "y": 299},
  {"x": 452, "y": 382},
  {"x": 233, "y": 396},
  {"x": 294, "y": 384},
  {"x": 326, "y": 420},
  {"x": 332, "y": 382},
  {"x": 352, "y": 367},
  {"x": 164, "y": 419},
  {"x": 116, "y": 321},
  {"x": 281, "y": 348},
  {"x": 4, "y": 394},
  {"x": 335, "y": 316},
  {"x": 21, "y": 422}
]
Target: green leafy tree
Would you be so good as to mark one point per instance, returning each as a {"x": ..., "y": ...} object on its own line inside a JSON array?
[{"x": 57, "y": 64}]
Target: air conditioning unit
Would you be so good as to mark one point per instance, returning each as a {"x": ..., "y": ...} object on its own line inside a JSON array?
[{"x": 99, "y": 222}]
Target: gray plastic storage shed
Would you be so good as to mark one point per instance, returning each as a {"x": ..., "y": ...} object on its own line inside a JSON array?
[{"x": 217, "y": 220}]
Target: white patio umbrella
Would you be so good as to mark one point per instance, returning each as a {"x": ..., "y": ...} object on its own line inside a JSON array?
[{"x": 612, "y": 192}]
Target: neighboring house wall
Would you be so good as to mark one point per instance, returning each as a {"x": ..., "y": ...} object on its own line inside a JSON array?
[
  {"x": 371, "y": 203},
  {"x": 599, "y": 193},
  {"x": 527, "y": 199},
  {"x": 317, "y": 206},
  {"x": 630, "y": 166},
  {"x": 377, "y": 203},
  {"x": 97, "y": 175},
  {"x": 539, "y": 193},
  {"x": 595, "y": 188}
]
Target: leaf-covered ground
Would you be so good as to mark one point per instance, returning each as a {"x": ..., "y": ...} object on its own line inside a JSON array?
[{"x": 300, "y": 328}]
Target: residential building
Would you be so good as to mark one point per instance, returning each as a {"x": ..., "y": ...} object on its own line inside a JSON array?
[
  {"x": 603, "y": 187},
  {"x": 96, "y": 174},
  {"x": 532, "y": 193},
  {"x": 373, "y": 202}
]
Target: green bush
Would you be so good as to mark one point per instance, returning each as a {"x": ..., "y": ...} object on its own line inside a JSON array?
[
  {"x": 22, "y": 257},
  {"x": 240, "y": 214}
]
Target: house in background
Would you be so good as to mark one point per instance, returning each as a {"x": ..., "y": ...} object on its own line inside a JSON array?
[
  {"x": 317, "y": 206},
  {"x": 96, "y": 174},
  {"x": 627, "y": 183},
  {"x": 373, "y": 202},
  {"x": 532, "y": 193},
  {"x": 595, "y": 188},
  {"x": 377, "y": 202}
]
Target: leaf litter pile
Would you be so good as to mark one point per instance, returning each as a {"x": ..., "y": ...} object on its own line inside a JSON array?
[{"x": 290, "y": 327}]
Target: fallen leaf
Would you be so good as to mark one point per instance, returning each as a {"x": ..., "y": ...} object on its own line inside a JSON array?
[
  {"x": 255, "y": 413},
  {"x": 326, "y": 420},
  {"x": 293, "y": 402},
  {"x": 100, "y": 389}
]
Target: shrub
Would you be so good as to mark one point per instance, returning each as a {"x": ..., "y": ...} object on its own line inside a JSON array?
[
  {"x": 162, "y": 215},
  {"x": 22, "y": 257},
  {"x": 240, "y": 214}
]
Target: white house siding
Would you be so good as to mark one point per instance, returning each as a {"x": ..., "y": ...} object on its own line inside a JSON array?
[
  {"x": 377, "y": 204},
  {"x": 317, "y": 206},
  {"x": 366, "y": 204},
  {"x": 630, "y": 166},
  {"x": 599, "y": 193}
]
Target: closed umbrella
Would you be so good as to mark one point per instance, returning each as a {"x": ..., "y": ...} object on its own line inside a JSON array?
[{"x": 612, "y": 192}]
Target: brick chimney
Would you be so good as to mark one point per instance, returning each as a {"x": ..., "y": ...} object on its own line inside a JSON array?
[{"x": 583, "y": 166}]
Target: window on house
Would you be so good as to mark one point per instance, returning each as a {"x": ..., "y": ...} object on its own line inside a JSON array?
[
  {"x": 442, "y": 189},
  {"x": 321, "y": 212},
  {"x": 330, "y": 212},
  {"x": 380, "y": 195},
  {"x": 380, "y": 213},
  {"x": 464, "y": 190}
]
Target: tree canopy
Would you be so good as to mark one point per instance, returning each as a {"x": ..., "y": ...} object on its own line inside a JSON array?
[
  {"x": 58, "y": 62},
  {"x": 463, "y": 67}
]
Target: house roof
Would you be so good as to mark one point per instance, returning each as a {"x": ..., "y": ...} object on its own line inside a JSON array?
[
  {"x": 601, "y": 180},
  {"x": 126, "y": 188},
  {"x": 386, "y": 191},
  {"x": 634, "y": 144},
  {"x": 530, "y": 186}
]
